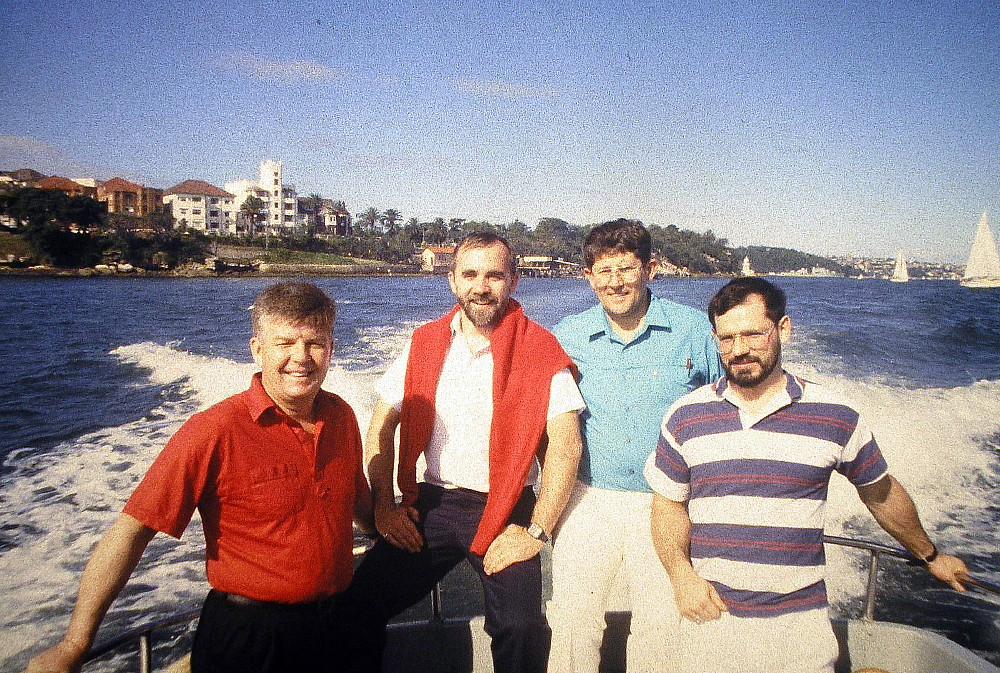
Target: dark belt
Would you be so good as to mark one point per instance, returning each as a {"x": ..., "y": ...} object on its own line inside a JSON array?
[{"x": 308, "y": 606}]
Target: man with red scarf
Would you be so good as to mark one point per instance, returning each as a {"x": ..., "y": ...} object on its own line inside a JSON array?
[{"x": 483, "y": 394}]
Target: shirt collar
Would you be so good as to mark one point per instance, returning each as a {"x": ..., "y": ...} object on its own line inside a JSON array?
[
  {"x": 793, "y": 388},
  {"x": 655, "y": 316},
  {"x": 259, "y": 402},
  {"x": 456, "y": 335}
]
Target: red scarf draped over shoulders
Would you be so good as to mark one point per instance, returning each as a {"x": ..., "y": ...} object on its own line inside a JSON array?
[{"x": 525, "y": 357}]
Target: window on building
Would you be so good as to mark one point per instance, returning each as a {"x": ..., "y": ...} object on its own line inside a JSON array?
[
  {"x": 214, "y": 201},
  {"x": 196, "y": 198},
  {"x": 196, "y": 211},
  {"x": 213, "y": 213}
]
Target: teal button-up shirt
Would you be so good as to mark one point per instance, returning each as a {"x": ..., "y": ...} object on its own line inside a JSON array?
[{"x": 628, "y": 386}]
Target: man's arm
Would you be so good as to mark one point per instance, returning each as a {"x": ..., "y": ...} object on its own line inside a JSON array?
[
  {"x": 696, "y": 598},
  {"x": 894, "y": 510},
  {"x": 396, "y": 523},
  {"x": 562, "y": 457},
  {"x": 110, "y": 565}
]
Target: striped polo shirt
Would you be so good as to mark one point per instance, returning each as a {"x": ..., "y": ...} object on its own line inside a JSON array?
[{"x": 756, "y": 488}]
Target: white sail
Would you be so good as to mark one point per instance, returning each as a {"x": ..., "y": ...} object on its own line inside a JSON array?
[
  {"x": 983, "y": 267},
  {"x": 900, "y": 273},
  {"x": 747, "y": 269}
]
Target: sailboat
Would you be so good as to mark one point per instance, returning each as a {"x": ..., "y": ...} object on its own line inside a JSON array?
[
  {"x": 983, "y": 267},
  {"x": 747, "y": 270},
  {"x": 900, "y": 274}
]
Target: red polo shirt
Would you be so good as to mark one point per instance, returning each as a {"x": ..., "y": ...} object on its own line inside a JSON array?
[{"x": 276, "y": 503}]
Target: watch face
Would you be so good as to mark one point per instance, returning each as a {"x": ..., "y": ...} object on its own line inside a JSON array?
[{"x": 536, "y": 531}]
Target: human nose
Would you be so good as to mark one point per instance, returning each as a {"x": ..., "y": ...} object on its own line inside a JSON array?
[
  {"x": 740, "y": 345},
  {"x": 300, "y": 352}
]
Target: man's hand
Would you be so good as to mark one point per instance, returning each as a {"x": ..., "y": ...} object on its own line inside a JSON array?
[
  {"x": 397, "y": 524},
  {"x": 512, "y": 546},
  {"x": 697, "y": 599},
  {"x": 64, "y": 657},
  {"x": 951, "y": 570}
]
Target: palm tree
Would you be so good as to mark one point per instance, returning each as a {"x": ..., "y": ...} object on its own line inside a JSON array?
[
  {"x": 369, "y": 219},
  {"x": 389, "y": 219},
  {"x": 252, "y": 211}
]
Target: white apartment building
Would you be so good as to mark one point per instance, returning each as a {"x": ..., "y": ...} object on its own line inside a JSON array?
[
  {"x": 197, "y": 205},
  {"x": 280, "y": 200}
]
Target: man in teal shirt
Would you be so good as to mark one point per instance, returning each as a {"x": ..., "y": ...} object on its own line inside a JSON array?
[{"x": 637, "y": 354}]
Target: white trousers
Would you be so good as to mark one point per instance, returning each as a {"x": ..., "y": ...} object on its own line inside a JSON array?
[
  {"x": 800, "y": 642},
  {"x": 604, "y": 533}
]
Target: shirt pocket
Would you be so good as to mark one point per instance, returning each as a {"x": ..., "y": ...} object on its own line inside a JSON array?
[
  {"x": 278, "y": 491},
  {"x": 661, "y": 383}
]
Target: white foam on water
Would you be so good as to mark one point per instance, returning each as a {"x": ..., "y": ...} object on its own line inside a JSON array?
[
  {"x": 62, "y": 501},
  {"x": 938, "y": 443}
]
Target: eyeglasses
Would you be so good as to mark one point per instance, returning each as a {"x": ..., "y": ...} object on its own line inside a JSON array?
[
  {"x": 628, "y": 274},
  {"x": 754, "y": 340}
]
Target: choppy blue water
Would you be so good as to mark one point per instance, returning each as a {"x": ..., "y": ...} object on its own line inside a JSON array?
[{"x": 97, "y": 373}]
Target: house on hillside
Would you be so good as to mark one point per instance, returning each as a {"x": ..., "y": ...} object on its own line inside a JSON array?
[
  {"x": 128, "y": 198},
  {"x": 437, "y": 258},
  {"x": 198, "y": 205},
  {"x": 70, "y": 187}
]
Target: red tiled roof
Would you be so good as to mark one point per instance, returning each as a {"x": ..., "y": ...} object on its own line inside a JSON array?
[
  {"x": 57, "y": 182},
  {"x": 198, "y": 187},
  {"x": 120, "y": 185},
  {"x": 437, "y": 249}
]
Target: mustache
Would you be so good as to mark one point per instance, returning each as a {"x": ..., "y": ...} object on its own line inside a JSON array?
[{"x": 745, "y": 360}]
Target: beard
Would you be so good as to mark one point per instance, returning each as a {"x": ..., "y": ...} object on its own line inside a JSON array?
[
  {"x": 481, "y": 314},
  {"x": 748, "y": 378}
]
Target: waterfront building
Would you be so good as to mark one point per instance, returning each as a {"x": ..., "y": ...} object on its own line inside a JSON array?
[
  {"x": 281, "y": 203},
  {"x": 198, "y": 205},
  {"x": 129, "y": 198}
]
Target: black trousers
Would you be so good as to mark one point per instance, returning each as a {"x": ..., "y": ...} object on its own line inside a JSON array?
[
  {"x": 271, "y": 638},
  {"x": 389, "y": 580}
]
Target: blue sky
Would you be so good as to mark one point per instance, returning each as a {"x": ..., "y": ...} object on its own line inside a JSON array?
[{"x": 834, "y": 128}]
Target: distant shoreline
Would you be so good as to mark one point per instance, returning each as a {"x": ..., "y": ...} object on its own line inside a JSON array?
[{"x": 264, "y": 271}]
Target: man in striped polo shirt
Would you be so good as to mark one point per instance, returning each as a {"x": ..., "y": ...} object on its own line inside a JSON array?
[{"x": 741, "y": 473}]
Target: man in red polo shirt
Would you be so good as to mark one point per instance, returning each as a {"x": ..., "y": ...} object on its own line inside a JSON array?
[{"x": 275, "y": 472}]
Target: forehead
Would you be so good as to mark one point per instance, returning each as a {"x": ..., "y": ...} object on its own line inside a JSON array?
[
  {"x": 615, "y": 259},
  {"x": 750, "y": 314},
  {"x": 491, "y": 257}
]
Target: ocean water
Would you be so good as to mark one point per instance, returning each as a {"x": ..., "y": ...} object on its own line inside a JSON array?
[{"x": 97, "y": 373}]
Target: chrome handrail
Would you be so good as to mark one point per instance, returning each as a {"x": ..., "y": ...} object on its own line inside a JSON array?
[{"x": 142, "y": 634}]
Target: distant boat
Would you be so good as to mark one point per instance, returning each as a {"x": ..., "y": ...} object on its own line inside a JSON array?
[
  {"x": 983, "y": 267},
  {"x": 747, "y": 270},
  {"x": 900, "y": 274}
]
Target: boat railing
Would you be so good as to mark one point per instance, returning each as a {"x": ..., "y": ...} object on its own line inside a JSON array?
[{"x": 141, "y": 636}]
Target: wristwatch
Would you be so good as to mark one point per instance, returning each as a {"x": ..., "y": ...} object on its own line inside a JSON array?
[
  {"x": 927, "y": 559},
  {"x": 537, "y": 532}
]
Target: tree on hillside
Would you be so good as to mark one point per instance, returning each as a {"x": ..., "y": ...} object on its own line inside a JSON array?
[
  {"x": 314, "y": 214},
  {"x": 390, "y": 218},
  {"x": 252, "y": 211},
  {"x": 436, "y": 231},
  {"x": 368, "y": 220}
]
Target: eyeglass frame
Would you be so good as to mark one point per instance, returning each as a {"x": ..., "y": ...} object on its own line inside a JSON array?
[
  {"x": 751, "y": 339},
  {"x": 628, "y": 274}
]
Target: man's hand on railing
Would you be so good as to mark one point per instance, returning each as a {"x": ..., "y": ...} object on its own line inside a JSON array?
[
  {"x": 64, "y": 657},
  {"x": 951, "y": 570}
]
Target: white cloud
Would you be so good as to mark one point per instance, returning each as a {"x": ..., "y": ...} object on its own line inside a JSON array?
[
  {"x": 502, "y": 89},
  {"x": 279, "y": 71},
  {"x": 23, "y": 152}
]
